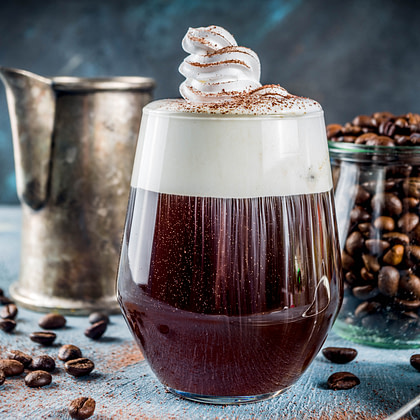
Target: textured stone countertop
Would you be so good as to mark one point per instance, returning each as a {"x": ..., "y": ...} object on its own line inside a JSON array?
[{"x": 125, "y": 388}]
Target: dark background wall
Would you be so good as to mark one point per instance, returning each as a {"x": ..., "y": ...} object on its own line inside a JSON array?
[{"x": 356, "y": 56}]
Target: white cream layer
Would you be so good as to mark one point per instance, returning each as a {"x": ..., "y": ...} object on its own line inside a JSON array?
[{"x": 231, "y": 156}]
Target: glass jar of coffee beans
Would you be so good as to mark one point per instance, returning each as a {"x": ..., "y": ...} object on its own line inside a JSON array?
[{"x": 376, "y": 173}]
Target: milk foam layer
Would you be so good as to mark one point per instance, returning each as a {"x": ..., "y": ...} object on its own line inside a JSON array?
[{"x": 231, "y": 156}]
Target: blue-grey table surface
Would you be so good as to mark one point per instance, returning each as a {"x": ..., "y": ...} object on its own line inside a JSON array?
[{"x": 124, "y": 387}]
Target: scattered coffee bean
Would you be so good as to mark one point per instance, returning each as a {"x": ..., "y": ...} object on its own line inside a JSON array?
[
  {"x": 11, "y": 367},
  {"x": 339, "y": 355},
  {"x": 52, "y": 321},
  {"x": 43, "y": 362},
  {"x": 9, "y": 311},
  {"x": 69, "y": 352},
  {"x": 7, "y": 325},
  {"x": 45, "y": 338},
  {"x": 2, "y": 377},
  {"x": 95, "y": 331},
  {"x": 38, "y": 378},
  {"x": 95, "y": 317},
  {"x": 20, "y": 356},
  {"x": 415, "y": 361},
  {"x": 82, "y": 408},
  {"x": 79, "y": 367},
  {"x": 342, "y": 380}
]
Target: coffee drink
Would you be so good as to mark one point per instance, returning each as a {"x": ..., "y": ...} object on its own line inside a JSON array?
[{"x": 229, "y": 274}]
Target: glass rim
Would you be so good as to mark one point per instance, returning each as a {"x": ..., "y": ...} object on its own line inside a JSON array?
[{"x": 157, "y": 108}]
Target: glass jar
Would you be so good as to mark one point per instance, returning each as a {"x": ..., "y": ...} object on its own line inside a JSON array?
[{"x": 377, "y": 196}]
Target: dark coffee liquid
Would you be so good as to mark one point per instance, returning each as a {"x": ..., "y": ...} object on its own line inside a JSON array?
[{"x": 229, "y": 297}]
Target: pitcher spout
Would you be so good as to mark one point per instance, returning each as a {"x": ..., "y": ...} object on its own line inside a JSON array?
[{"x": 31, "y": 103}]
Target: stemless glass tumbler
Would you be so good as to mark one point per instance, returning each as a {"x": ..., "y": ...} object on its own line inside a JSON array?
[{"x": 230, "y": 273}]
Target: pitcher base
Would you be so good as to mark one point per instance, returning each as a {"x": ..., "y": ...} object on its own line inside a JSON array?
[{"x": 43, "y": 303}]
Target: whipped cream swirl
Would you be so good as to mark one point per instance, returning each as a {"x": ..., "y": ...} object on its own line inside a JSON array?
[{"x": 217, "y": 69}]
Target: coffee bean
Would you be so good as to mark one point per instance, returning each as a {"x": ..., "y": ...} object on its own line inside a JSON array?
[
  {"x": 43, "y": 362},
  {"x": 371, "y": 263},
  {"x": 11, "y": 367},
  {"x": 394, "y": 256},
  {"x": 376, "y": 246},
  {"x": 333, "y": 130},
  {"x": 408, "y": 305},
  {"x": 410, "y": 202},
  {"x": 411, "y": 187},
  {"x": 82, "y": 408},
  {"x": 95, "y": 317},
  {"x": 388, "y": 202},
  {"x": 363, "y": 121},
  {"x": 342, "y": 380},
  {"x": 381, "y": 141},
  {"x": 359, "y": 214},
  {"x": 408, "y": 222},
  {"x": 350, "y": 278},
  {"x": 366, "y": 308},
  {"x": 45, "y": 338},
  {"x": 397, "y": 238},
  {"x": 366, "y": 229},
  {"x": 2, "y": 377},
  {"x": 38, "y": 378},
  {"x": 95, "y": 331},
  {"x": 354, "y": 243},
  {"x": 347, "y": 261},
  {"x": 339, "y": 355},
  {"x": 52, "y": 321},
  {"x": 7, "y": 325},
  {"x": 363, "y": 138},
  {"x": 79, "y": 367},
  {"x": 20, "y": 356},
  {"x": 365, "y": 292},
  {"x": 411, "y": 285},
  {"x": 415, "y": 361},
  {"x": 361, "y": 195},
  {"x": 69, "y": 352},
  {"x": 413, "y": 252},
  {"x": 366, "y": 275},
  {"x": 9, "y": 311},
  {"x": 384, "y": 223},
  {"x": 388, "y": 280}
]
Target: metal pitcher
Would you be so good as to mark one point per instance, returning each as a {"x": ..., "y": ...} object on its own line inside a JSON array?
[{"x": 74, "y": 141}]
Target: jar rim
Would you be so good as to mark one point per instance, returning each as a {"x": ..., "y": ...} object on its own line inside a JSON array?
[
  {"x": 342, "y": 147},
  {"x": 364, "y": 153}
]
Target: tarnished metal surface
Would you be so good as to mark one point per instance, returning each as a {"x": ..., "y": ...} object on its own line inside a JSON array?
[
  {"x": 124, "y": 387},
  {"x": 74, "y": 143}
]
